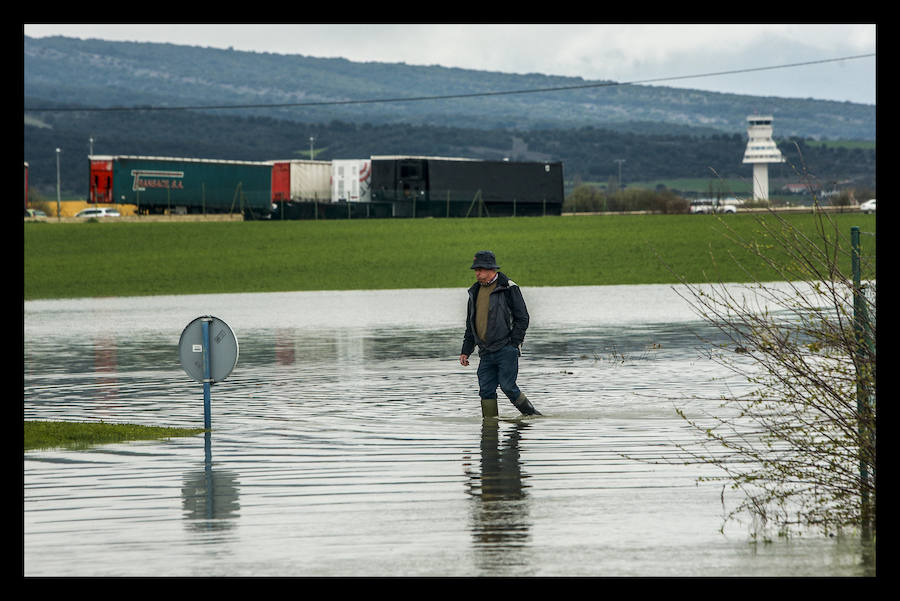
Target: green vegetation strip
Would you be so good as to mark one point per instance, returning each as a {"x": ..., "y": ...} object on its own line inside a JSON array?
[
  {"x": 48, "y": 435},
  {"x": 135, "y": 259}
]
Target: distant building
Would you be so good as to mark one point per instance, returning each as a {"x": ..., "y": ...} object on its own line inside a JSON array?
[{"x": 761, "y": 150}]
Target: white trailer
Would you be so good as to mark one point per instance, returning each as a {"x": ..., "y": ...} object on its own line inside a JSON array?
[
  {"x": 351, "y": 180},
  {"x": 299, "y": 180},
  {"x": 310, "y": 181}
]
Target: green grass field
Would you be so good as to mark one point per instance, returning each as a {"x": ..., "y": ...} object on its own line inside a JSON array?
[
  {"x": 134, "y": 259},
  {"x": 48, "y": 435}
]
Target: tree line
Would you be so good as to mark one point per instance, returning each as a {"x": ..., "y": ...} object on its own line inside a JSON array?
[{"x": 587, "y": 153}]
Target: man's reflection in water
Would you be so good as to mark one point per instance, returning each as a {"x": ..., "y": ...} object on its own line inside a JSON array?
[
  {"x": 500, "y": 512},
  {"x": 209, "y": 497}
]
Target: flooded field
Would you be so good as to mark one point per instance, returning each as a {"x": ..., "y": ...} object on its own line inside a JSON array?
[{"x": 348, "y": 441}]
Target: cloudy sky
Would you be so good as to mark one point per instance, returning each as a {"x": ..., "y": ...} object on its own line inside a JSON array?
[{"x": 667, "y": 54}]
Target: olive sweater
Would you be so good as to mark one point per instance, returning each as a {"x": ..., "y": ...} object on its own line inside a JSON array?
[{"x": 482, "y": 306}]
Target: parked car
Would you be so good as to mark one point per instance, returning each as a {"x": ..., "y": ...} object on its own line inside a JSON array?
[
  {"x": 706, "y": 206},
  {"x": 868, "y": 206},
  {"x": 35, "y": 213},
  {"x": 99, "y": 212}
]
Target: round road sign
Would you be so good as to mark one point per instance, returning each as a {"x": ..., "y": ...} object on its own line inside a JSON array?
[{"x": 223, "y": 351}]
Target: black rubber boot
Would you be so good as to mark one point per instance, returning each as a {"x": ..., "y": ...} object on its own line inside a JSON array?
[
  {"x": 489, "y": 408},
  {"x": 524, "y": 406}
]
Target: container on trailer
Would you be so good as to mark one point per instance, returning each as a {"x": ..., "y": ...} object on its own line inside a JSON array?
[
  {"x": 351, "y": 180},
  {"x": 419, "y": 185},
  {"x": 400, "y": 178},
  {"x": 101, "y": 181},
  {"x": 281, "y": 181},
  {"x": 310, "y": 181},
  {"x": 170, "y": 184},
  {"x": 498, "y": 181}
]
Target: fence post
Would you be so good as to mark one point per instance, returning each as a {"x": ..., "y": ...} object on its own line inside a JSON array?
[{"x": 862, "y": 331}]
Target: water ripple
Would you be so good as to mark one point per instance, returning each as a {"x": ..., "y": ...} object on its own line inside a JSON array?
[{"x": 356, "y": 446}]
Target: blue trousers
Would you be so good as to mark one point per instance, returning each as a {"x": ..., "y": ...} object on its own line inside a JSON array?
[{"x": 500, "y": 368}]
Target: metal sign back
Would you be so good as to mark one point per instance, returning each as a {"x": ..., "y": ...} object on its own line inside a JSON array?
[{"x": 223, "y": 351}]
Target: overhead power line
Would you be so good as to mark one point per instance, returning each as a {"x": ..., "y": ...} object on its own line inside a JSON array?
[{"x": 607, "y": 84}]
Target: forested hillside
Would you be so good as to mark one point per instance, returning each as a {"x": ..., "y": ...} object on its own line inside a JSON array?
[{"x": 103, "y": 74}]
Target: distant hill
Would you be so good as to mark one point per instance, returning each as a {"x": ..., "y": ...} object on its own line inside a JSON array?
[
  {"x": 103, "y": 74},
  {"x": 660, "y": 132}
]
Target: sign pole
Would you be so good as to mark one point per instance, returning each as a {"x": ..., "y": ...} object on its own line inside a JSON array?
[
  {"x": 207, "y": 420},
  {"x": 201, "y": 362}
]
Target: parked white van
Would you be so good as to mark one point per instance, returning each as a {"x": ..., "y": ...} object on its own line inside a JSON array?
[
  {"x": 706, "y": 206},
  {"x": 99, "y": 212}
]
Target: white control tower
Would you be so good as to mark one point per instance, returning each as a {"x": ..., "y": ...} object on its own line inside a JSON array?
[{"x": 761, "y": 151}]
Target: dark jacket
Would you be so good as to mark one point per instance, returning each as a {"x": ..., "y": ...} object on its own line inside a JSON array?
[{"x": 507, "y": 318}]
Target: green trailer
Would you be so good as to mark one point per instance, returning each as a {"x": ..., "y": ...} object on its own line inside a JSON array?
[{"x": 182, "y": 185}]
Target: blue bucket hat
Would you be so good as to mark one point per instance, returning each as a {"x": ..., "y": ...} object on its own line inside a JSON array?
[{"x": 484, "y": 259}]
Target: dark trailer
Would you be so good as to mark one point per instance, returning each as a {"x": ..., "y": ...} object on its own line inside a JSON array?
[
  {"x": 446, "y": 187},
  {"x": 182, "y": 185}
]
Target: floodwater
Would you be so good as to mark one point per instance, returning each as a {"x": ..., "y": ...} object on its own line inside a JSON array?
[{"x": 348, "y": 441}]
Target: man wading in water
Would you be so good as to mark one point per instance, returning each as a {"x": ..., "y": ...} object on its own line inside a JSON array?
[{"x": 496, "y": 321}]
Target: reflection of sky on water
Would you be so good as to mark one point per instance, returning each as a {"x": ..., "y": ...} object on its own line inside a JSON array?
[{"x": 348, "y": 441}]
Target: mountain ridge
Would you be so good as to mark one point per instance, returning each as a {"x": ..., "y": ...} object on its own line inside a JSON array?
[{"x": 104, "y": 74}]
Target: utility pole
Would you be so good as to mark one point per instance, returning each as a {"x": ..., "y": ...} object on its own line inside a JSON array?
[
  {"x": 620, "y": 161},
  {"x": 57, "y": 185}
]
